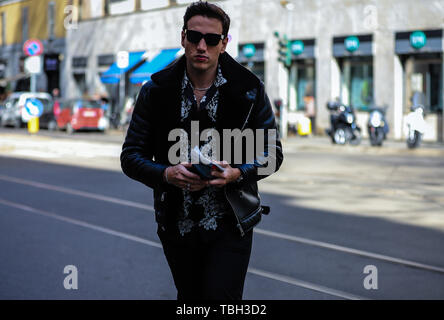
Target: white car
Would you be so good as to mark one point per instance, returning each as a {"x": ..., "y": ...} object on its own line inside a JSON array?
[{"x": 20, "y": 107}]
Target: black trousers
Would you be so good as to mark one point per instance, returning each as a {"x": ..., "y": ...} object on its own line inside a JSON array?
[{"x": 208, "y": 264}]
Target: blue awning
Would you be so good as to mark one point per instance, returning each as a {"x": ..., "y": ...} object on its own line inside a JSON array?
[
  {"x": 144, "y": 72},
  {"x": 112, "y": 75}
]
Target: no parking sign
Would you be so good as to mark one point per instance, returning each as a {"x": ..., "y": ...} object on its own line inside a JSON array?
[{"x": 33, "y": 47}]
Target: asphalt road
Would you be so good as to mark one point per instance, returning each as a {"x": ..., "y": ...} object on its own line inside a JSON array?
[{"x": 333, "y": 214}]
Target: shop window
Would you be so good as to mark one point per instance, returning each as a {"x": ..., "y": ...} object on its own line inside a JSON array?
[
  {"x": 302, "y": 85},
  {"x": 423, "y": 74},
  {"x": 357, "y": 83}
]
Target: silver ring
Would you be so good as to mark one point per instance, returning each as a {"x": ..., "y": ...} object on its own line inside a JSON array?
[{"x": 188, "y": 186}]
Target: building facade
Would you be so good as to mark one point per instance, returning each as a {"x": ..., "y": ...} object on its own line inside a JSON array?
[
  {"x": 23, "y": 20},
  {"x": 363, "y": 52}
]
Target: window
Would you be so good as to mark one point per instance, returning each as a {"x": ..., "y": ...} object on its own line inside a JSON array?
[
  {"x": 153, "y": 4},
  {"x": 184, "y": 1},
  {"x": 423, "y": 75},
  {"x": 302, "y": 84},
  {"x": 357, "y": 82},
  {"x": 121, "y": 6}
]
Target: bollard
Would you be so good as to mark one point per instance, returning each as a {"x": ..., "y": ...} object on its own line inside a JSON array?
[{"x": 33, "y": 125}]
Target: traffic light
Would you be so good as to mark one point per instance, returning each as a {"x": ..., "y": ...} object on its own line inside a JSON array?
[{"x": 284, "y": 50}]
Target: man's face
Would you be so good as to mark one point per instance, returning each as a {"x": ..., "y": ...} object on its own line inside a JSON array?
[{"x": 200, "y": 56}]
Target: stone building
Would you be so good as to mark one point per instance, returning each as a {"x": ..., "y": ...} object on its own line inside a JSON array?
[{"x": 361, "y": 51}]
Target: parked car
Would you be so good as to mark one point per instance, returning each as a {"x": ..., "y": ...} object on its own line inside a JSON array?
[
  {"x": 48, "y": 119},
  {"x": 15, "y": 114},
  {"x": 81, "y": 114}
]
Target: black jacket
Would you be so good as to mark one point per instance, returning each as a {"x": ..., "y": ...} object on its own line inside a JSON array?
[{"x": 243, "y": 104}]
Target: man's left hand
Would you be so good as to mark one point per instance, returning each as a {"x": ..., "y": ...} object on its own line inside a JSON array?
[{"x": 229, "y": 175}]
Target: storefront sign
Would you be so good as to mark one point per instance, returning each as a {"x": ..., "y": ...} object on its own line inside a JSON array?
[
  {"x": 249, "y": 50},
  {"x": 355, "y": 45},
  {"x": 424, "y": 41},
  {"x": 418, "y": 39},
  {"x": 351, "y": 43}
]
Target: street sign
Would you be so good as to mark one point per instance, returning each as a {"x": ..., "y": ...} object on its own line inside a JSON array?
[
  {"x": 33, "y": 65},
  {"x": 122, "y": 59},
  {"x": 34, "y": 107},
  {"x": 33, "y": 47}
]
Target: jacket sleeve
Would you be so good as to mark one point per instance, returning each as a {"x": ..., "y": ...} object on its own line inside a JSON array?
[
  {"x": 136, "y": 158},
  {"x": 270, "y": 160}
]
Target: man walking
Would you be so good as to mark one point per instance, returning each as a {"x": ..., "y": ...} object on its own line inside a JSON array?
[{"x": 205, "y": 226}]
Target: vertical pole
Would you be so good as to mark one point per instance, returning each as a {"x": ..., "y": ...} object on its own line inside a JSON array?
[
  {"x": 121, "y": 92},
  {"x": 441, "y": 102},
  {"x": 33, "y": 82}
]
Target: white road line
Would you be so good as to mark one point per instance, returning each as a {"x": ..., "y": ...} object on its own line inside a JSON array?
[
  {"x": 349, "y": 250},
  {"x": 266, "y": 274},
  {"x": 77, "y": 193},
  {"x": 304, "y": 284},
  {"x": 80, "y": 223},
  {"x": 257, "y": 230}
]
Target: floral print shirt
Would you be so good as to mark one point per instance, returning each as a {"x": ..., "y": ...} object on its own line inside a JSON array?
[{"x": 202, "y": 208}]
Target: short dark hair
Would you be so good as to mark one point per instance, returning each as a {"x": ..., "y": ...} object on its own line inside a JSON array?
[{"x": 203, "y": 8}]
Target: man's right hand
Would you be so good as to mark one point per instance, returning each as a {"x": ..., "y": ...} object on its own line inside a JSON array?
[{"x": 179, "y": 176}]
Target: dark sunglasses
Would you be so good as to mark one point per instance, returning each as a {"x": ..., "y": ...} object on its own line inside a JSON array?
[{"x": 211, "y": 39}]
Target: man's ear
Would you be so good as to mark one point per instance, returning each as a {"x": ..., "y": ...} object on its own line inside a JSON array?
[
  {"x": 183, "y": 39},
  {"x": 224, "y": 45}
]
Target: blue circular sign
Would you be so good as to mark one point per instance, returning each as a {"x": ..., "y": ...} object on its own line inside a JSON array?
[
  {"x": 351, "y": 43},
  {"x": 297, "y": 47},
  {"x": 249, "y": 50},
  {"x": 34, "y": 107},
  {"x": 418, "y": 39}
]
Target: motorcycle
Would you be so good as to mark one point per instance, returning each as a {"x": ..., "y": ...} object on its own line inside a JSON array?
[
  {"x": 377, "y": 126},
  {"x": 415, "y": 125},
  {"x": 343, "y": 124}
]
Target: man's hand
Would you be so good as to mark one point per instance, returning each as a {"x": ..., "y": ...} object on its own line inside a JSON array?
[
  {"x": 179, "y": 176},
  {"x": 227, "y": 176}
]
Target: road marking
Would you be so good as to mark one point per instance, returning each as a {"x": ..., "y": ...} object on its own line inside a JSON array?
[
  {"x": 266, "y": 274},
  {"x": 257, "y": 230},
  {"x": 79, "y": 193},
  {"x": 349, "y": 250},
  {"x": 80, "y": 223},
  {"x": 304, "y": 284}
]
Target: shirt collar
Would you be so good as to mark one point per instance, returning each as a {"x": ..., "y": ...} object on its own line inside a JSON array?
[{"x": 218, "y": 82}]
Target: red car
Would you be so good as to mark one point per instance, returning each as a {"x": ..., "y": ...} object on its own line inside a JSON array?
[{"x": 77, "y": 114}]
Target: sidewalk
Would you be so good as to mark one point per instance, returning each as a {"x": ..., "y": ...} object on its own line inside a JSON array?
[{"x": 294, "y": 144}]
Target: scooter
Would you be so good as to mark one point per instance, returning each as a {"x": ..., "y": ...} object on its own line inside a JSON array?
[
  {"x": 414, "y": 126},
  {"x": 343, "y": 124},
  {"x": 377, "y": 126}
]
